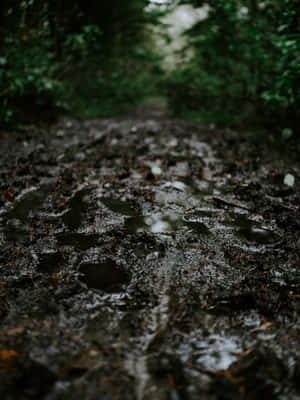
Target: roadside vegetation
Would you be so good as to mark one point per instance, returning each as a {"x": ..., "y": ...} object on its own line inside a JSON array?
[
  {"x": 85, "y": 58},
  {"x": 245, "y": 67}
]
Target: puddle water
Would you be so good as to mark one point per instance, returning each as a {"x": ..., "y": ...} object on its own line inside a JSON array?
[
  {"x": 72, "y": 218},
  {"x": 252, "y": 232},
  {"x": 157, "y": 323},
  {"x": 184, "y": 193},
  {"x": 120, "y": 206},
  {"x": 49, "y": 260},
  {"x": 136, "y": 224},
  {"x": 164, "y": 224},
  {"x": 15, "y": 233},
  {"x": 258, "y": 235},
  {"x": 107, "y": 276},
  {"x": 200, "y": 190},
  {"x": 81, "y": 241},
  {"x": 217, "y": 352},
  {"x": 29, "y": 200},
  {"x": 197, "y": 227}
]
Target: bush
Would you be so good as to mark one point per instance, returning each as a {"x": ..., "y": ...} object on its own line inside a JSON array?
[
  {"x": 27, "y": 79},
  {"x": 89, "y": 60},
  {"x": 245, "y": 67}
]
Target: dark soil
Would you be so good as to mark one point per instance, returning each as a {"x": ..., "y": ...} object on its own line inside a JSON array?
[{"x": 147, "y": 258}]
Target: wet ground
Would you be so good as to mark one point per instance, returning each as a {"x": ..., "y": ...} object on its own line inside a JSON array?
[{"x": 147, "y": 258}]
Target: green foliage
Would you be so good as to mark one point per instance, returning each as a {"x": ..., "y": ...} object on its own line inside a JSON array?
[
  {"x": 109, "y": 94},
  {"x": 83, "y": 42},
  {"x": 245, "y": 67},
  {"x": 27, "y": 77},
  {"x": 97, "y": 85},
  {"x": 91, "y": 59}
]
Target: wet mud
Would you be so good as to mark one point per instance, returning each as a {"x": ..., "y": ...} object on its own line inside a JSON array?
[{"x": 147, "y": 258}]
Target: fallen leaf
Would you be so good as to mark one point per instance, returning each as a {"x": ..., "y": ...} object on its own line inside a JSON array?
[
  {"x": 10, "y": 197},
  {"x": 244, "y": 353},
  {"x": 7, "y": 354},
  {"x": 47, "y": 325},
  {"x": 7, "y": 359},
  {"x": 171, "y": 382},
  {"x": 15, "y": 331},
  {"x": 264, "y": 327}
]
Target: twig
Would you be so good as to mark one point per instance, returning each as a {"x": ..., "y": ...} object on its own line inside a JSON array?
[{"x": 227, "y": 203}]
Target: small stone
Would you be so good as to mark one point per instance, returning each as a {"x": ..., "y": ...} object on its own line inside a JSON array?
[
  {"x": 173, "y": 142},
  {"x": 289, "y": 180},
  {"x": 60, "y": 133},
  {"x": 156, "y": 170}
]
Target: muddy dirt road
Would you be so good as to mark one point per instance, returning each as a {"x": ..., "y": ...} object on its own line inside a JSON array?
[{"x": 147, "y": 258}]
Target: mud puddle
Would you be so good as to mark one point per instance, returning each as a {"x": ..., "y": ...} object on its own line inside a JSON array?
[
  {"x": 165, "y": 224},
  {"x": 80, "y": 241},
  {"x": 106, "y": 276},
  {"x": 120, "y": 206},
  {"x": 252, "y": 231},
  {"x": 28, "y": 202}
]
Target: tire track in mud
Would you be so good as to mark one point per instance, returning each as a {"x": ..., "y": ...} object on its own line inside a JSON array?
[
  {"x": 156, "y": 326},
  {"x": 168, "y": 270}
]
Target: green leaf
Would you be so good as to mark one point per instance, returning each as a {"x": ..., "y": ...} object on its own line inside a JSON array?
[{"x": 286, "y": 133}]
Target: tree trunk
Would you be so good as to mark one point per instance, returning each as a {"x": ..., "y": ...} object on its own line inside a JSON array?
[{"x": 54, "y": 18}]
